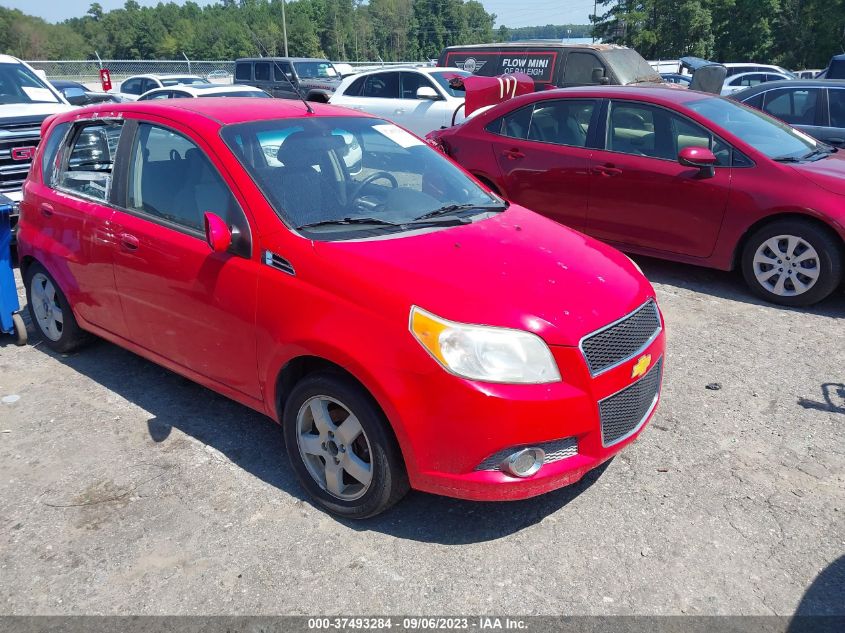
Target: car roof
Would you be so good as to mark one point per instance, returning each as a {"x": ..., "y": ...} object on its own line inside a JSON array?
[
  {"x": 207, "y": 88},
  {"x": 427, "y": 70},
  {"x": 288, "y": 59},
  {"x": 163, "y": 76},
  {"x": 219, "y": 110},
  {"x": 537, "y": 44},
  {"x": 765, "y": 71}
]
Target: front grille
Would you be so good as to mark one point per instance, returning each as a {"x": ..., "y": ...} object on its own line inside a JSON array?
[
  {"x": 622, "y": 340},
  {"x": 13, "y": 172},
  {"x": 623, "y": 413},
  {"x": 555, "y": 451}
]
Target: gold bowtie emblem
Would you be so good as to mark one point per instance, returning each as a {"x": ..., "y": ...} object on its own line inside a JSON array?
[{"x": 641, "y": 366}]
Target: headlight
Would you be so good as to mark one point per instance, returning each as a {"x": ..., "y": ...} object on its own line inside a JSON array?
[{"x": 489, "y": 354}]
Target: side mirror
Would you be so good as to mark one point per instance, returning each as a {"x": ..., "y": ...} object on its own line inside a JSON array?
[
  {"x": 699, "y": 157},
  {"x": 427, "y": 92},
  {"x": 217, "y": 233},
  {"x": 598, "y": 77}
]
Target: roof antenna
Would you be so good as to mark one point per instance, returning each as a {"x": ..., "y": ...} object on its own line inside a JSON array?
[{"x": 284, "y": 74}]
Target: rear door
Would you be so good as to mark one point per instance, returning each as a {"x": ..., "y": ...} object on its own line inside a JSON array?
[
  {"x": 75, "y": 213},
  {"x": 183, "y": 302},
  {"x": 543, "y": 154},
  {"x": 284, "y": 81},
  {"x": 421, "y": 116},
  {"x": 640, "y": 196},
  {"x": 834, "y": 130}
]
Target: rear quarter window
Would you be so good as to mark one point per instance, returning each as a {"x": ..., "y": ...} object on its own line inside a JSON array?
[
  {"x": 51, "y": 155},
  {"x": 243, "y": 71}
]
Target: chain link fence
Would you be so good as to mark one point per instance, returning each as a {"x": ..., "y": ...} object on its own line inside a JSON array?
[{"x": 87, "y": 71}]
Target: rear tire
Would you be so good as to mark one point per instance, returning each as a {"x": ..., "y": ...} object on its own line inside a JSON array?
[
  {"x": 341, "y": 448},
  {"x": 792, "y": 262},
  {"x": 51, "y": 312}
]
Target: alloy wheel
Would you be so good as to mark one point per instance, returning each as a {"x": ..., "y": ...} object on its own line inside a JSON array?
[
  {"x": 45, "y": 303},
  {"x": 334, "y": 448}
]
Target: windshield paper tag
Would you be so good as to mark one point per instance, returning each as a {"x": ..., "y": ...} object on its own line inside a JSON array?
[
  {"x": 398, "y": 135},
  {"x": 39, "y": 94}
]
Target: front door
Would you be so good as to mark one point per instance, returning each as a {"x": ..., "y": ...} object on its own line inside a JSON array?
[
  {"x": 641, "y": 196},
  {"x": 182, "y": 301},
  {"x": 543, "y": 154}
]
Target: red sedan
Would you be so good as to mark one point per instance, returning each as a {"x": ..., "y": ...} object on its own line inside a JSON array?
[
  {"x": 329, "y": 269},
  {"x": 674, "y": 174}
]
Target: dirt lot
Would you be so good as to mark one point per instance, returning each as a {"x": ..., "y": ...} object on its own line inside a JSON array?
[{"x": 127, "y": 489}]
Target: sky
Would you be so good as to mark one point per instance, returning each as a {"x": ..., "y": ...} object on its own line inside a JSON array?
[{"x": 508, "y": 12}]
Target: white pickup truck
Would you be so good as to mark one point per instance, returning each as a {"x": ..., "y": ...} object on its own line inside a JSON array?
[{"x": 25, "y": 101}]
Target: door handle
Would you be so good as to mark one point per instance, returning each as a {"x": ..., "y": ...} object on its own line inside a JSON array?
[
  {"x": 607, "y": 170},
  {"x": 513, "y": 154},
  {"x": 47, "y": 209},
  {"x": 129, "y": 242}
]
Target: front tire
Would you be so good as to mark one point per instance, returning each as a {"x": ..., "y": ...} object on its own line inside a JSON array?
[
  {"x": 792, "y": 262},
  {"x": 51, "y": 312},
  {"x": 340, "y": 447}
]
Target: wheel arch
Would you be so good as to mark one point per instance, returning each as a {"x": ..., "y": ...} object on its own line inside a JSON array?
[{"x": 736, "y": 259}]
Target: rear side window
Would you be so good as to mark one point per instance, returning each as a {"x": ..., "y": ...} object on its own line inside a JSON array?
[
  {"x": 583, "y": 69},
  {"x": 836, "y": 99},
  {"x": 262, "y": 71},
  {"x": 382, "y": 86},
  {"x": 561, "y": 122},
  {"x": 755, "y": 102},
  {"x": 88, "y": 171},
  {"x": 51, "y": 155},
  {"x": 797, "y": 107},
  {"x": 172, "y": 179},
  {"x": 243, "y": 71}
]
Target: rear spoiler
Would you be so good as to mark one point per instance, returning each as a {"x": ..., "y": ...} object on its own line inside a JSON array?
[
  {"x": 485, "y": 92},
  {"x": 707, "y": 76}
]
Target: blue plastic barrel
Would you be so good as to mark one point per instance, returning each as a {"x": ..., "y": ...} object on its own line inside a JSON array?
[{"x": 10, "y": 321}]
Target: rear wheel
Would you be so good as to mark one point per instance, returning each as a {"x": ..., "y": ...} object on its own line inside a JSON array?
[
  {"x": 50, "y": 311},
  {"x": 792, "y": 262},
  {"x": 340, "y": 447}
]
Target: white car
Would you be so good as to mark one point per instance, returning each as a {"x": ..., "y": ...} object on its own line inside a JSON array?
[
  {"x": 134, "y": 87},
  {"x": 206, "y": 90},
  {"x": 735, "y": 68},
  {"x": 742, "y": 81},
  {"x": 418, "y": 99}
]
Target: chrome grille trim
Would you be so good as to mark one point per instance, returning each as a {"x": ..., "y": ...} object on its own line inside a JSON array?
[
  {"x": 623, "y": 413},
  {"x": 646, "y": 315},
  {"x": 555, "y": 451}
]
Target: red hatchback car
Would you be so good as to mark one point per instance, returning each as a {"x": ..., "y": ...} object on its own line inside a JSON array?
[
  {"x": 403, "y": 324},
  {"x": 674, "y": 174}
]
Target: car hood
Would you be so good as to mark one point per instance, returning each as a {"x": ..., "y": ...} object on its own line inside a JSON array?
[
  {"x": 515, "y": 269},
  {"x": 33, "y": 110},
  {"x": 828, "y": 173}
]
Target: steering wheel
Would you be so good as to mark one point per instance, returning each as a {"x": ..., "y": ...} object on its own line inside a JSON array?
[{"x": 372, "y": 178}]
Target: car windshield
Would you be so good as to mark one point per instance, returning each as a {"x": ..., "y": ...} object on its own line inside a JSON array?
[
  {"x": 238, "y": 93},
  {"x": 443, "y": 78},
  {"x": 629, "y": 66},
  {"x": 18, "y": 84},
  {"x": 759, "y": 130},
  {"x": 352, "y": 177},
  {"x": 314, "y": 70},
  {"x": 184, "y": 81}
]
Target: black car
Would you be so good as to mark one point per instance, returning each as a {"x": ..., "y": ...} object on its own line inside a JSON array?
[
  {"x": 289, "y": 77},
  {"x": 816, "y": 106},
  {"x": 78, "y": 95}
]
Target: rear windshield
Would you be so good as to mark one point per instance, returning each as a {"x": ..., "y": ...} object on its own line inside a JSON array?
[
  {"x": 629, "y": 66},
  {"x": 259, "y": 94},
  {"x": 18, "y": 84}
]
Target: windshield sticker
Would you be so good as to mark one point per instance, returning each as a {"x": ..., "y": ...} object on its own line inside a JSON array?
[
  {"x": 39, "y": 94},
  {"x": 398, "y": 135}
]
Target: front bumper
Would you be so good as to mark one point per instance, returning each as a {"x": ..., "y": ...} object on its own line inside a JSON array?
[{"x": 453, "y": 434}]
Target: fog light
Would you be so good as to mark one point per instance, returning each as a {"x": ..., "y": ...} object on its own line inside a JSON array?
[{"x": 524, "y": 463}]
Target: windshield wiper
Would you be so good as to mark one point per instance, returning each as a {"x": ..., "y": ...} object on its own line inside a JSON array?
[
  {"x": 452, "y": 208},
  {"x": 344, "y": 221},
  {"x": 787, "y": 159},
  {"x": 818, "y": 152}
]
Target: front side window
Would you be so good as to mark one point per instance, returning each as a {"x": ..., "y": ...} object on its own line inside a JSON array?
[
  {"x": 382, "y": 86},
  {"x": 131, "y": 86},
  {"x": 282, "y": 71},
  {"x": 351, "y": 177},
  {"x": 767, "y": 135},
  {"x": 315, "y": 70},
  {"x": 836, "y": 103},
  {"x": 410, "y": 82},
  {"x": 356, "y": 87},
  {"x": 172, "y": 179},
  {"x": 583, "y": 69},
  {"x": 796, "y": 107},
  {"x": 262, "y": 71},
  {"x": 89, "y": 165}
]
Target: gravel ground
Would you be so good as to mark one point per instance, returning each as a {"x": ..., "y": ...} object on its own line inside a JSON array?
[{"x": 125, "y": 488}]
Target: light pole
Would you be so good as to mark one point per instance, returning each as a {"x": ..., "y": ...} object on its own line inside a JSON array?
[
  {"x": 284, "y": 28},
  {"x": 595, "y": 19}
]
